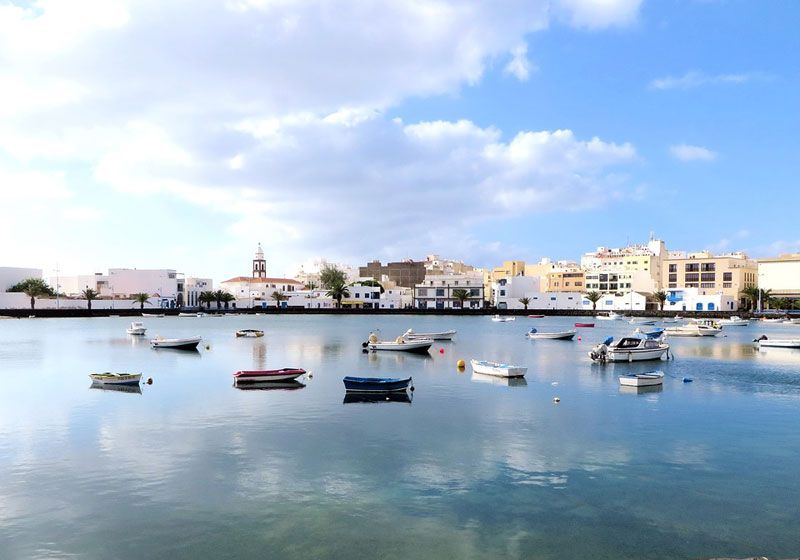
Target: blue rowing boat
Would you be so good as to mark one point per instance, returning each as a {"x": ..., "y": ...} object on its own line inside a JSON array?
[{"x": 376, "y": 384}]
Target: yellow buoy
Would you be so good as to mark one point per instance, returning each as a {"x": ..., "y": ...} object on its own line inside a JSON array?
[{"x": 461, "y": 364}]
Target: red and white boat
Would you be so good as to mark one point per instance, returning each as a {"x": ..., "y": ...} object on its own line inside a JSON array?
[
  {"x": 259, "y": 376},
  {"x": 535, "y": 316}
]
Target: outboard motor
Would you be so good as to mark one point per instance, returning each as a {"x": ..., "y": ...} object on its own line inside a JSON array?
[{"x": 762, "y": 337}]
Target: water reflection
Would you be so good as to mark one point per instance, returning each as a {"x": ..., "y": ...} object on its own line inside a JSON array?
[
  {"x": 627, "y": 390},
  {"x": 718, "y": 351},
  {"x": 135, "y": 389},
  {"x": 352, "y": 398},
  {"x": 496, "y": 380},
  {"x": 260, "y": 354},
  {"x": 270, "y": 386}
]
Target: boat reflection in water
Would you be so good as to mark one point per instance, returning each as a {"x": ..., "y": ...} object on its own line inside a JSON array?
[
  {"x": 496, "y": 380},
  {"x": 628, "y": 390},
  {"x": 270, "y": 386},
  {"x": 352, "y": 398},
  {"x": 117, "y": 388}
]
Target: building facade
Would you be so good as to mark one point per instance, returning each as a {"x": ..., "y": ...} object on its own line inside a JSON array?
[
  {"x": 436, "y": 292},
  {"x": 637, "y": 267},
  {"x": 780, "y": 275},
  {"x": 710, "y": 274},
  {"x": 405, "y": 274}
]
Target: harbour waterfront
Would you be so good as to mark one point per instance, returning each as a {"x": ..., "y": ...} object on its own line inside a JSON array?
[{"x": 192, "y": 467}]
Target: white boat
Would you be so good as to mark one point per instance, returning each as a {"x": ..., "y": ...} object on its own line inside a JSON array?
[
  {"x": 502, "y": 319},
  {"x": 734, "y": 321},
  {"x": 498, "y": 369},
  {"x": 177, "y": 343},
  {"x": 793, "y": 321},
  {"x": 670, "y": 320},
  {"x": 249, "y": 333},
  {"x": 646, "y": 322},
  {"x": 563, "y": 335},
  {"x": 642, "y": 379},
  {"x": 699, "y": 327},
  {"x": 629, "y": 349},
  {"x": 188, "y": 314},
  {"x": 152, "y": 314},
  {"x": 773, "y": 319},
  {"x": 109, "y": 378},
  {"x": 136, "y": 328},
  {"x": 400, "y": 344},
  {"x": 610, "y": 316},
  {"x": 442, "y": 335},
  {"x": 765, "y": 342}
]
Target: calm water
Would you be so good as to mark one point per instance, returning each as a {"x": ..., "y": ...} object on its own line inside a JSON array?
[{"x": 194, "y": 468}]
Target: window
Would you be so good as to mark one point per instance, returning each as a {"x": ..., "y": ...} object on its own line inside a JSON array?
[
  {"x": 694, "y": 277},
  {"x": 439, "y": 292},
  {"x": 673, "y": 268},
  {"x": 474, "y": 292},
  {"x": 552, "y": 298},
  {"x": 708, "y": 267},
  {"x": 708, "y": 277},
  {"x": 502, "y": 292},
  {"x": 692, "y": 267},
  {"x": 422, "y": 292},
  {"x": 727, "y": 276},
  {"x": 673, "y": 277},
  {"x": 358, "y": 295},
  {"x": 673, "y": 285},
  {"x": 707, "y": 284}
]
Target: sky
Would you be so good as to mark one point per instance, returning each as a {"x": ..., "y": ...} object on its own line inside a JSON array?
[{"x": 179, "y": 134}]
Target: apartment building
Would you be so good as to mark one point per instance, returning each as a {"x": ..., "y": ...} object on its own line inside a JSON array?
[
  {"x": 781, "y": 275},
  {"x": 726, "y": 275},
  {"x": 634, "y": 267},
  {"x": 436, "y": 292}
]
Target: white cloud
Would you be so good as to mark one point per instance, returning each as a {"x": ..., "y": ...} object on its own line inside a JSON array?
[
  {"x": 695, "y": 79},
  {"x": 687, "y": 152},
  {"x": 595, "y": 14},
  {"x": 519, "y": 66}
]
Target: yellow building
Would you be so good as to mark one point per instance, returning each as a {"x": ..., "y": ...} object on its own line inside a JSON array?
[
  {"x": 635, "y": 267},
  {"x": 711, "y": 274}
]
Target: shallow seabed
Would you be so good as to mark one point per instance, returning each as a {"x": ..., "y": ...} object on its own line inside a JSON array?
[{"x": 193, "y": 468}]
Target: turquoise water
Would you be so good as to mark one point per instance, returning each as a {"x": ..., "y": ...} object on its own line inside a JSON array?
[{"x": 194, "y": 468}]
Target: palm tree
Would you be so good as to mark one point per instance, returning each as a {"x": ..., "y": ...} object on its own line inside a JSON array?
[
  {"x": 461, "y": 295},
  {"x": 219, "y": 297},
  {"x": 89, "y": 294},
  {"x": 207, "y": 297},
  {"x": 765, "y": 296},
  {"x": 526, "y": 301},
  {"x": 35, "y": 287},
  {"x": 278, "y": 298},
  {"x": 752, "y": 293},
  {"x": 141, "y": 298},
  {"x": 594, "y": 297},
  {"x": 661, "y": 298},
  {"x": 338, "y": 292},
  {"x": 330, "y": 276},
  {"x": 227, "y": 298}
]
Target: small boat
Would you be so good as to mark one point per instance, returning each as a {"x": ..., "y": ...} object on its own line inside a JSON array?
[
  {"x": 255, "y": 376},
  {"x": 564, "y": 335},
  {"x": 502, "y": 319},
  {"x": 585, "y": 325},
  {"x": 376, "y": 384},
  {"x": 646, "y": 322},
  {"x": 152, "y": 315},
  {"x": 793, "y": 321},
  {"x": 442, "y": 335},
  {"x": 699, "y": 327},
  {"x": 669, "y": 320},
  {"x": 109, "y": 378},
  {"x": 136, "y": 328},
  {"x": 610, "y": 316},
  {"x": 269, "y": 386},
  {"x": 498, "y": 369},
  {"x": 176, "y": 343},
  {"x": 642, "y": 379},
  {"x": 629, "y": 349},
  {"x": 495, "y": 380},
  {"x": 400, "y": 344},
  {"x": 655, "y": 333},
  {"x": 777, "y": 342},
  {"x": 535, "y": 316},
  {"x": 249, "y": 333},
  {"x": 734, "y": 321},
  {"x": 773, "y": 319},
  {"x": 188, "y": 314},
  {"x": 351, "y": 397}
]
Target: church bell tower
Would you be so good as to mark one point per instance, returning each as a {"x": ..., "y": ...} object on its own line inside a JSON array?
[{"x": 259, "y": 264}]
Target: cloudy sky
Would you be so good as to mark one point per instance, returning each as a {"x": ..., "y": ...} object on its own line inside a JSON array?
[{"x": 139, "y": 133}]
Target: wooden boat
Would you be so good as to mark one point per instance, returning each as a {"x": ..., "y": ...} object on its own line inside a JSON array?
[
  {"x": 765, "y": 342},
  {"x": 110, "y": 378},
  {"x": 376, "y": 384},
  {"x": 249, "y": 333},
  {"x": 400, "y": 344},
  {"x": 255, "y": 376},
  {"x": 502, "y": 319},
  {"x": 563, "y": 335},
  {"x": 585, "y": 325},
  {"x": 442, "y": 335},
  {"x": 498, "y": 369},
  {"x": 136, "y": 328},
  {"x": 535, "y": 316},
  {"x": 629, "y": 349},
  {"x": 642, "y": 379},
  {"x": 176, "y": 343}
]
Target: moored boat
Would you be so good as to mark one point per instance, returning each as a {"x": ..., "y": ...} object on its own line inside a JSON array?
[
  {"x": 734, "y": 321},
  {"x": 502, "y": 318},
  {"x": 642, "y": 379},
  {"x": 136, "y": 328},
  {"x": 536, "y": 316},
  {"x": 629, "y": 349},
  {"x": 256, "y": 376},
  {"x": 655, "y": 333},
  {"x": 110, "y": 378},
  {"x": 563, "y": 335},
  {"x": 645, "y": 322},
  {"x": 701, "y": 327},
  {"x": 376, "y": 384},
  {"x": 249, "y": 333},
  {"x": 400, "y": 344},
  {"x": 610, "y": 316},
  {"x": 773, "y": 319},
  {"x": 441, "y": 335},
  {"x": 585, "y": 325},
  {"x": 176, "y": 343},
  {"x": 188, "y": 314},
  {"x": 777, "y": 342},
  {"x": 495, "y": 368}
]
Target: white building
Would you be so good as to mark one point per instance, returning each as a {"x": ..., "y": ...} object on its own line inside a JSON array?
[
  {"x": 508, "y": 291},
  {"x": 630, "y": 301},
  {"x": 436, "y": 292},
  {"x": 694, "y": 299},
  {"x": 11, "y": 276},
  {"x": 634, "y": 268},
  {"x": 397, "y": 298},
  {"x": 258, "y": 292},
  {"x": 781, "y": 275},
  {"x": 193, "y": 287}
]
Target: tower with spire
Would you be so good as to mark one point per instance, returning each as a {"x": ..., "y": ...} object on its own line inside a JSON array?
[{"x": 259, "y": 264}]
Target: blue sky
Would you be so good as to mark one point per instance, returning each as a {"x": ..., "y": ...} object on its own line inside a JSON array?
[{"x": 179, "y": 134}]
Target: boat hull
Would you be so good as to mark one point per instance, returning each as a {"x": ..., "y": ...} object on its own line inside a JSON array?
[
  {"x": 176, "y": 343},
  {"x": 136, "y": 332},
  {"x": 412, "y": 346},
  {"x": 567, "y": 335},
  {"x": 261, "y": 376},
  {"x": 376, "y": 384},
  {"x": 641, "y": 380},
  {"x": 444, "y": 335},
  {"x": 780, "y": 343},
  {"x": 499, "y": 370},
  {"x": 635, "y": 354},
  {"x": 115, "y": 379},
  {"x": 585, "y": 325}
]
